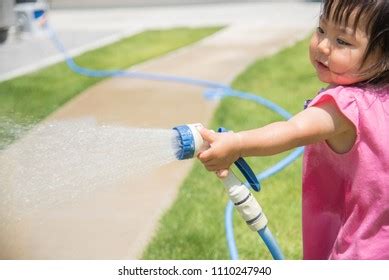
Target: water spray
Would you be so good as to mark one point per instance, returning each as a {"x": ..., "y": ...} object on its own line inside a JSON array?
[{"x": 191, "y": 144}]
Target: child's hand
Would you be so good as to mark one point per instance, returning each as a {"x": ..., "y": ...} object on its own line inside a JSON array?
[{"x": 224, "y": 150}]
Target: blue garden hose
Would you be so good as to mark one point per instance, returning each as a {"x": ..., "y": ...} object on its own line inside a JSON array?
[
  {"x": 271, "y": 243},
  {"x": 213, "y": 90}
]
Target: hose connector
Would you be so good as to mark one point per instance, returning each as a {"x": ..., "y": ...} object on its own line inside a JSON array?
[{"x": 246, "y": 204}]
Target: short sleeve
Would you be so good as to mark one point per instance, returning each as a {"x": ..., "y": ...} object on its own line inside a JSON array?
[{"x": 345, "y": 100}]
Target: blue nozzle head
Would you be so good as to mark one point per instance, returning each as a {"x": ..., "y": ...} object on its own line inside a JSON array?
[
  {"x": 185, "y": 142},
  {"x": 189, "y": 141}
]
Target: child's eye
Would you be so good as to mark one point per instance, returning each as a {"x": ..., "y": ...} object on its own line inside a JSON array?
[
  {"x": 320, "y": 30},
  {"x": 343, "y": 43}
]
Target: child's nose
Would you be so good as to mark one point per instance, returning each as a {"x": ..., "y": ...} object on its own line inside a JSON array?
[{"x": 324, "y": 46}]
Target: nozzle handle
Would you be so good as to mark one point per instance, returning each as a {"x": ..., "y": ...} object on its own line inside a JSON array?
[{"x": 246, "y": 170}]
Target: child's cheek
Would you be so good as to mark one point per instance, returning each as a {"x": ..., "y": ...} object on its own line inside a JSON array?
[{"x": 313, "y": 47}]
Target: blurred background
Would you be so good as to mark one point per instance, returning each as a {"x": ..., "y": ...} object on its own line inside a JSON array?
[
  {"x": 88, "y": 24},
  {"x": 134, "y": 3}
]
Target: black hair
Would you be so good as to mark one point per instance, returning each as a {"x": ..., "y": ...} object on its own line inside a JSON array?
[{"x": 376, "y": 14}]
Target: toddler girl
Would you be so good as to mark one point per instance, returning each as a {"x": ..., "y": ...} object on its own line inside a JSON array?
[{"x": 346, "y": 132}]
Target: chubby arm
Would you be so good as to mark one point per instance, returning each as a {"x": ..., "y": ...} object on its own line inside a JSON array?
[
  {"x": 312, "y": 125},
  {"x": 321, "y": 122}
]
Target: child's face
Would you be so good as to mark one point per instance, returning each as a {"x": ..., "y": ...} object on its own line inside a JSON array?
[{"x": 336, "y": 52}]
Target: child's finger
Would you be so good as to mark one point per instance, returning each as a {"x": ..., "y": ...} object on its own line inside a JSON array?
[
  {"x": 208, "y": 135},
  {"x": 223, "y": 173},
  {"x": 205, "y": 156},
  {"x": 211, "y": 167}
]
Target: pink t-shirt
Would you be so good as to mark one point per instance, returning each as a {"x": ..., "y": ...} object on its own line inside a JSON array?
[{"x": 346, "y": 196}]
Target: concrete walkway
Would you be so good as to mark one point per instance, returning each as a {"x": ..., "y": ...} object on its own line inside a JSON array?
[{"x": 118, "y": 222}]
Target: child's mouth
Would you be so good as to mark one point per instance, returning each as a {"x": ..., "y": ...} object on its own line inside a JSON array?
[{"x": 321, "y": 66}]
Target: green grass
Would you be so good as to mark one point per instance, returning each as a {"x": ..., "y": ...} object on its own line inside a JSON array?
[
  {"x": 30, "y": 98},
  {"x": 193, "y": 228}
]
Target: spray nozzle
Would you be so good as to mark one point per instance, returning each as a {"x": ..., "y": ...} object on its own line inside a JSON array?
[{"x": 191, "y": 144}]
